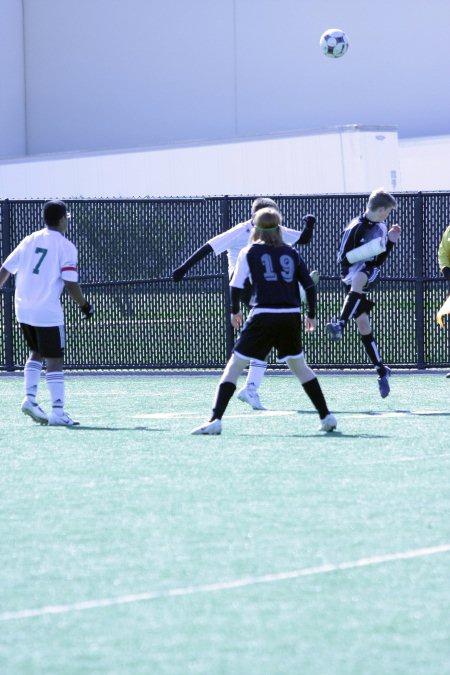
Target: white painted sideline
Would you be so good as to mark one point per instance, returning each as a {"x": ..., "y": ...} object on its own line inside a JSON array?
[{"x": 222, "y": 585}]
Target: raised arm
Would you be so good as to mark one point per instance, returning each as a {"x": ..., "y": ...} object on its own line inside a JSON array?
[
  {"x": 308, "y": 228},
  {"x": 179, "y": 272},
  {"x": 393, "y": 237},
  {"x": 444, "y": 254}
]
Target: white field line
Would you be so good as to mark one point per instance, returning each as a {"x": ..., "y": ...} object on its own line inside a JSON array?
[
  {"x": 405, "y": 458},
  {"x": 194, "y": 416},
  {"x": 222, "y": 585}
]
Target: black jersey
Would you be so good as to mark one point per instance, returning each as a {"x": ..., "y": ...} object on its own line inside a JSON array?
[
  {"x": 360, "y": 231},
  {"x": 274, "y": 272}
]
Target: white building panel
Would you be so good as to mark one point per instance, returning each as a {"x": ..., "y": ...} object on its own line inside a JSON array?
[
  {"x": 425, "y": 163},
  {"x": 350, "y": 159}
]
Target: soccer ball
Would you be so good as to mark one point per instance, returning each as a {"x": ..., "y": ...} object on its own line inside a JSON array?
[{"x": 334, "y": 43}]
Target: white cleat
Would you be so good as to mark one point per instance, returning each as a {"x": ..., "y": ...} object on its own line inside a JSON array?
[
  {"x": 329, "y": 423},
  {"x": 213, "y": 428},
  {"x": 250, "y": 395},
  {"x": 63, "y": 420},
  {"x": 34, "y": 411}
]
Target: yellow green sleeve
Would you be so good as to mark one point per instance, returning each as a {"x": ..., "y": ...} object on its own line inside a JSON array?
[{"x": 444, "y": 250}]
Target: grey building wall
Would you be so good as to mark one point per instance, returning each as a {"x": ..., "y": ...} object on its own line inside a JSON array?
[
  {"x": 108, "y": 74},
  {"x": 12, "y": 80}
]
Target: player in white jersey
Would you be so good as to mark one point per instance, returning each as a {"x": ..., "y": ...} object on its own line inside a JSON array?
[
  {"x": 232, "y": 241},
  {"x": 44, "y": 263}
]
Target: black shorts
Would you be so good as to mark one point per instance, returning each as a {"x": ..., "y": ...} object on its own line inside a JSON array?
[
  {"x": 372, "y": 273},
  {"x": 365, "y": 305},
  {"x": 48, "y": 341},
  {"x": 262, "y": 332}
]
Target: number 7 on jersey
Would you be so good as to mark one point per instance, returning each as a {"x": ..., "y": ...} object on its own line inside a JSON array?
[{"x": 43, "y": 253}]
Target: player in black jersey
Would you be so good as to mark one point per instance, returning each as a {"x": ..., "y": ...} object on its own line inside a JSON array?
[
  {"x": 365, "y": 245},
  {"x": 275, "y": 270}
]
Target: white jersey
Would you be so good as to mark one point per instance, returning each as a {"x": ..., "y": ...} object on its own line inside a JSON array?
[
  {"x": 236, "y": 238},
  {"x": 42, "y": 262}
]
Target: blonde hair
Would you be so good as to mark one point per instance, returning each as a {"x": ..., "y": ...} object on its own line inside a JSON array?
[
  {"x": 380, "y": 199},
  {"x": 267, "y": 227}
]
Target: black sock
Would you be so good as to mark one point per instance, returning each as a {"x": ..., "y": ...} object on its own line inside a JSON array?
[
  {"x": 314, "y": 391},
  {"x": 351, "y": 302},
  {"x": 224, "y": 393},
  {"x": 372, "y": 352}
]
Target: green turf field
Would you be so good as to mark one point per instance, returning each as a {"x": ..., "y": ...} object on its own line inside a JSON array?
[{"x": 129, "y": 546}]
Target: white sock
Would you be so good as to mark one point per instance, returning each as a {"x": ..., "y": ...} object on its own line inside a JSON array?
[
  {"x": 55, "y": 383},
  {"x": 32, "y": 375},
  {"x": 256, "y": 372}
]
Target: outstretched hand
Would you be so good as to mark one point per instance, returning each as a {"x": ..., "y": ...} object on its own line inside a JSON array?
[{"x": 394, "y": 233}]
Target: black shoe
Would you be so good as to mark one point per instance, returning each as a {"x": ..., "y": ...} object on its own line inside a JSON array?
[
  {"x": 383, "y": 383},
  {"x": 334, "y": 330}
]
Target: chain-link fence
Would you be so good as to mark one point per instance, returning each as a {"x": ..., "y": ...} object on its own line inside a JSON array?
[{"x": 143, "y": 320}]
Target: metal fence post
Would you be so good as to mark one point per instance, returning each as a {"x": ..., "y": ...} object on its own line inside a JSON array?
[
  {"x": 229, "y": 332},
  {"x": 418, "y": 273},
  {"x": 8, "y": 288}
]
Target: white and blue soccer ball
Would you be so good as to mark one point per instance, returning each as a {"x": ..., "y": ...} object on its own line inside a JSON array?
[{"x": 334, "y": 43}]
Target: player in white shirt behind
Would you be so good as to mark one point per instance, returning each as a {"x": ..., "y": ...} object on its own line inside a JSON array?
[
  {"x": 44, "y": 263},
  {"x": 232, "y": 241}
]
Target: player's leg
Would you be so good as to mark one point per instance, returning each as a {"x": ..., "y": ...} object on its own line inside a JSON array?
[
  {"x": 254, "y": 342},
  {"x": 257, "y": 368},
  {"x": 52, "y": 344},
  {"x": 32, "y": 375},
  {"x": 249, "y": 392},
  {"x": 56, "y": 386},
  {"x": 313, "y": 390},
  {"x": 370, "y": 345},
  {"x": 289, "y": 347},
  {"x": 350, "y": 307},
  {"x": 223, "y": 395},
  {"x": 227, "y": 384}
]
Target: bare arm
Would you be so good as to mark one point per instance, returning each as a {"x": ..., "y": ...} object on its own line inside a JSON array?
[
  {"x": 4, "y": 276},
  {"x": 75, "y": 292},
  {"x": 308, "y": 227}
]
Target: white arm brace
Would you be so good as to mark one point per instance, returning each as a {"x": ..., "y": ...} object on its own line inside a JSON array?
[{"x": 373, "y": 248}]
